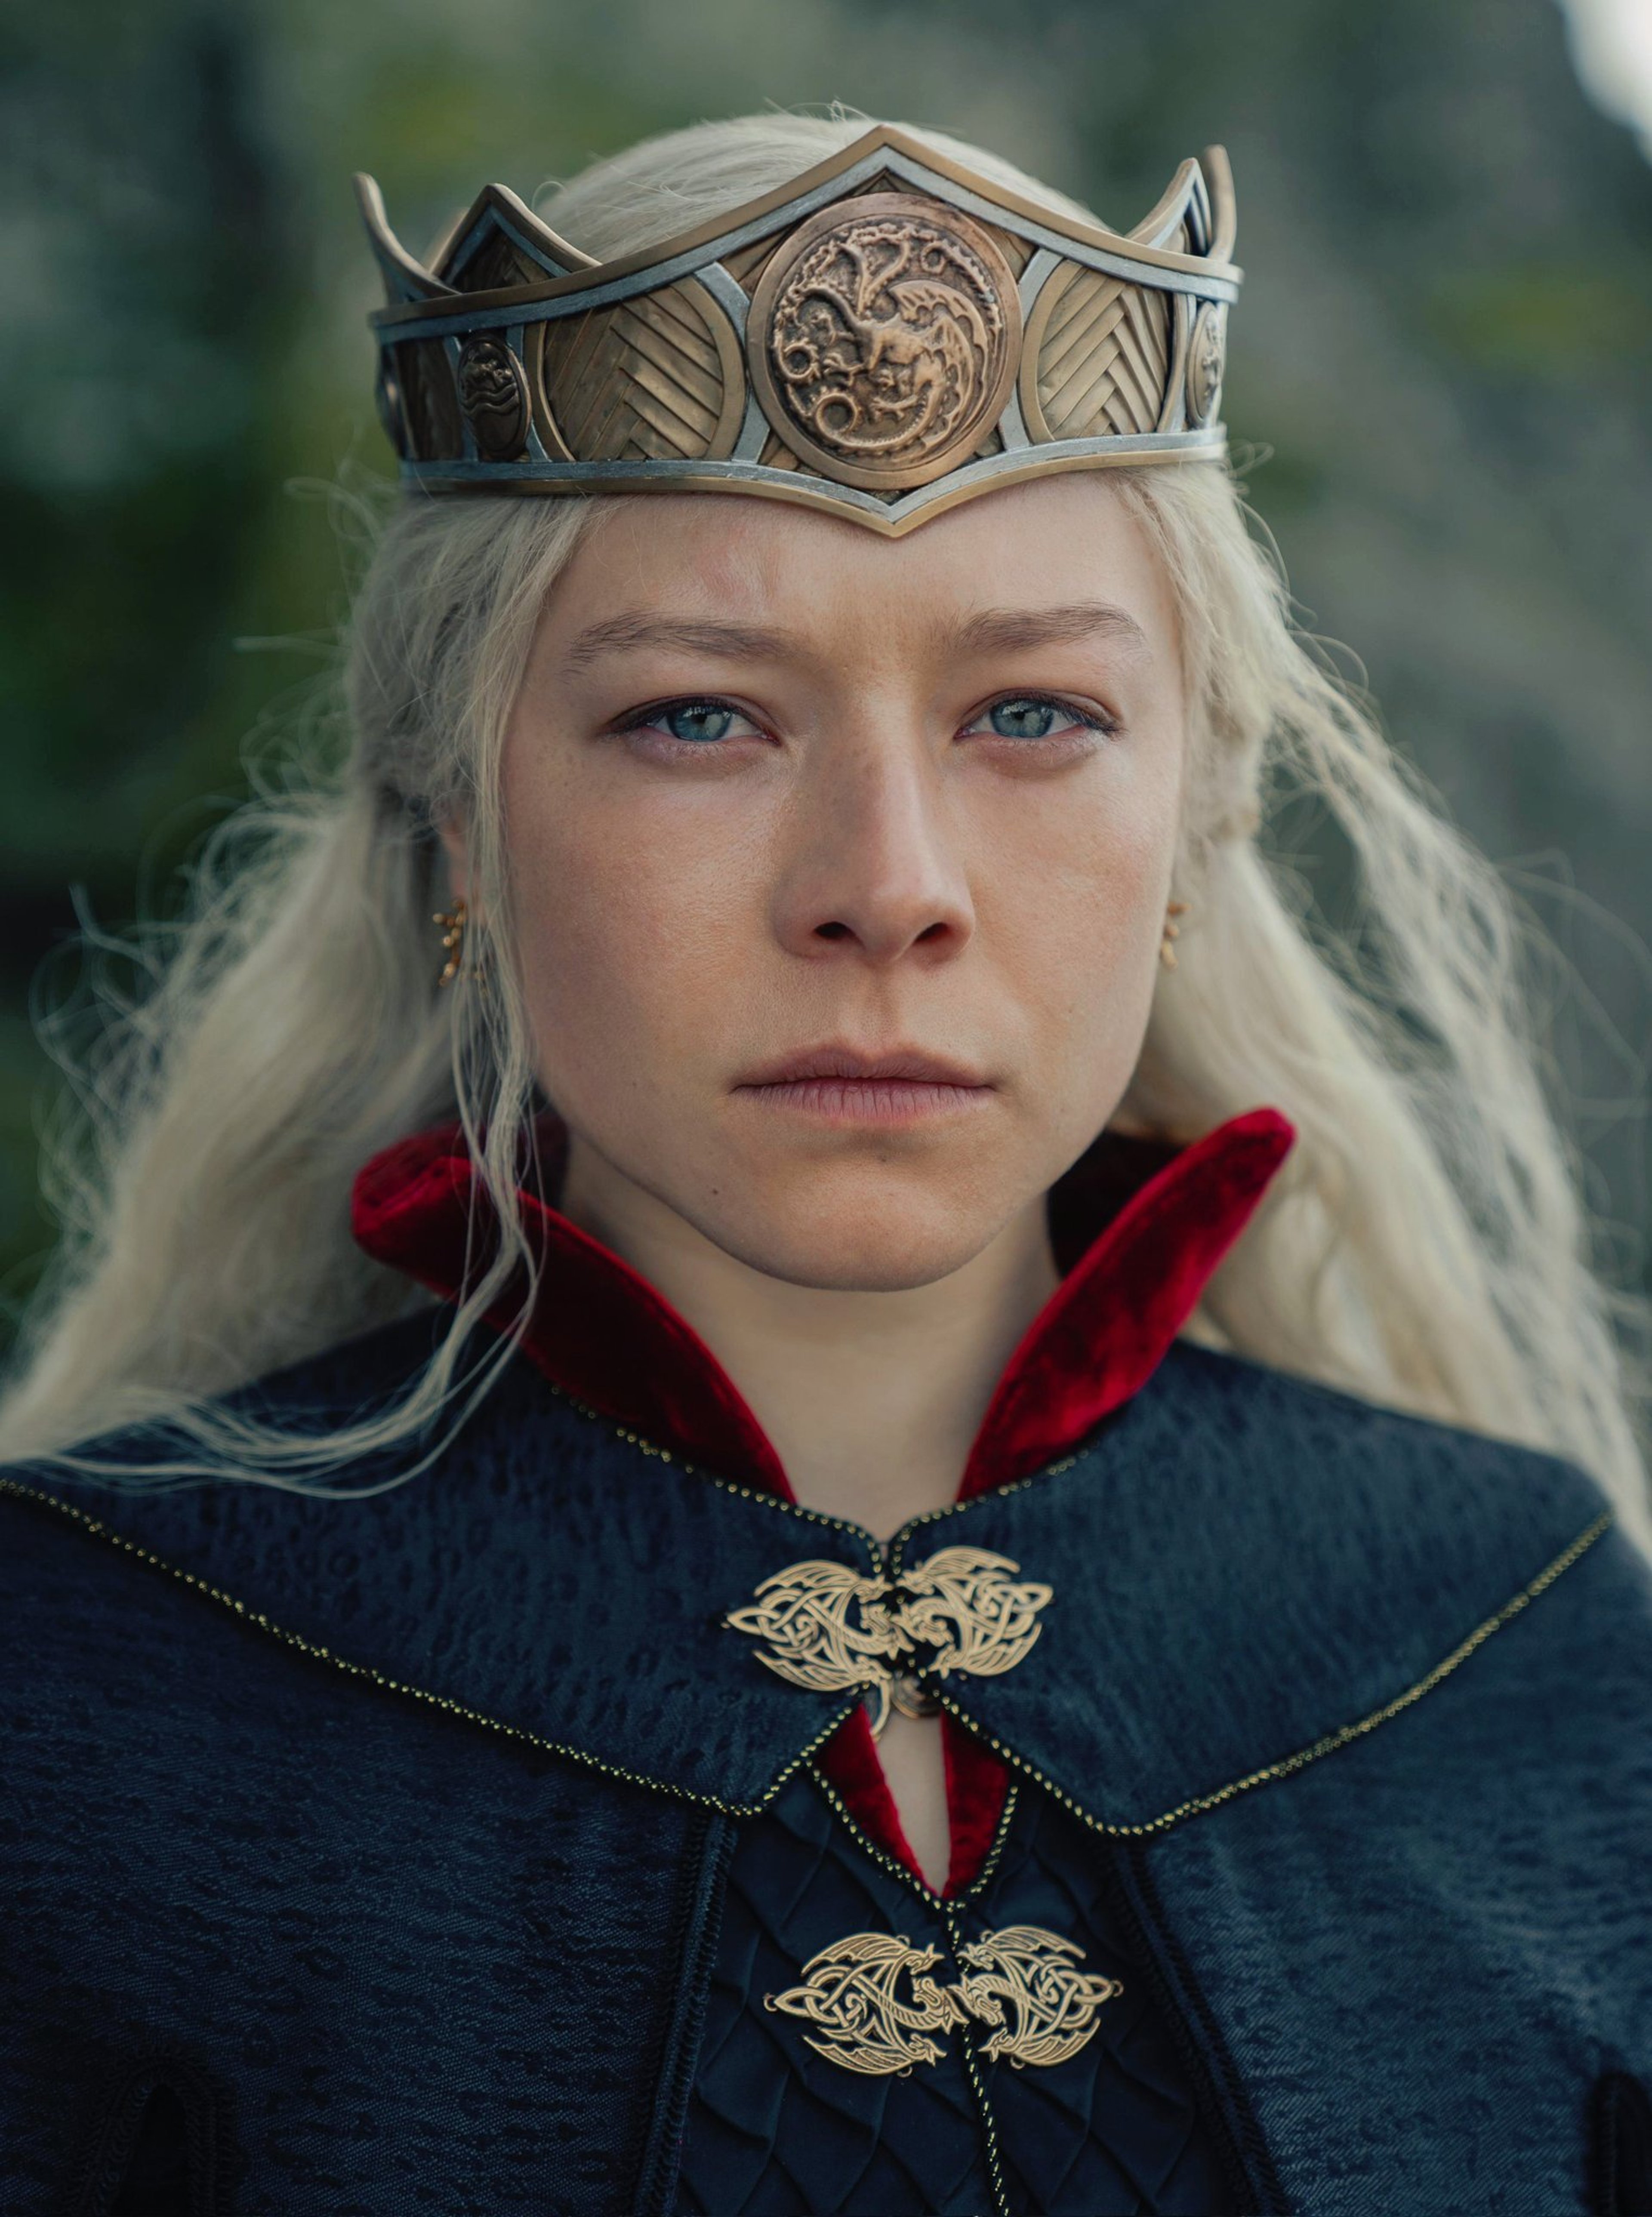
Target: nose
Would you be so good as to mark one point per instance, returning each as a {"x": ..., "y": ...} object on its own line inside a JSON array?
[{"x": 875, "y": 868}]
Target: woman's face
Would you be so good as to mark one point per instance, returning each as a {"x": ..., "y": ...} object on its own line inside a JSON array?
[{"x": 788, "y": 806}]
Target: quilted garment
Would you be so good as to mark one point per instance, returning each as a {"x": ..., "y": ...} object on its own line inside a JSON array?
[
  {"x": 776, "y": 2130},
  {"x": 1115, "y": 2128},
  {"x": 397, "y": 1831}
]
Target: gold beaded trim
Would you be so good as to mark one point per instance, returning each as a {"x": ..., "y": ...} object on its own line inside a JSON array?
[
  {"x": 645, "y": 1446},
  {"x": 989, "y": 2115},
  {"x": 885, "y": 1553},
  {"x": 897, "y": 1869},
  {"x": 1330, "y": 1741},
  {"x": 950, "y": 1909},
  {"x": 387, "y": 1684},
  {"x": 887, "y": 1558}
]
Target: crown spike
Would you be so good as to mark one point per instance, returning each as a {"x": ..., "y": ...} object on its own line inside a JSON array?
[
  {"x": 1160, "y": 222},
  {"x": 441, "y": 245},
  {"x": 496, "y": 211},
  {"x": 405, "y": 277},
  {"x": 1224, "y": 207}
]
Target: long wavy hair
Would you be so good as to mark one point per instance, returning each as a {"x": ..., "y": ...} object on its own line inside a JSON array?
[{"x": 1426, "y": 1245}]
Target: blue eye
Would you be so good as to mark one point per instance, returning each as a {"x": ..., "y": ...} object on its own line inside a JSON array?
[
  {"x": 697, "y": 720},
  {"x": 1024, "y": 719},
  {"x": 690, "y": 723},
  {"x": 1035, "y": 716}
]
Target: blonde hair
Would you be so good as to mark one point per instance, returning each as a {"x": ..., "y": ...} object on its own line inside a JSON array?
[{"x": 1425, "y": 1246}]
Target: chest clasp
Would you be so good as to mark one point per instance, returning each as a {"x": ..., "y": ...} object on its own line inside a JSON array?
[
  {"x": 833, "y": 1628},
  {"x": 875, "y": 2003}
]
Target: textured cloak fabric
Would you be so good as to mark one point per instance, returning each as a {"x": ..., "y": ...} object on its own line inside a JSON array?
[
  {"x": 1139, "y": 1227},
  {"x": 435, "y": 1848}
]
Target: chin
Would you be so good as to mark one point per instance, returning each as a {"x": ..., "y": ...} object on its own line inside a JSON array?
[{"x": 871, "y": 1234}]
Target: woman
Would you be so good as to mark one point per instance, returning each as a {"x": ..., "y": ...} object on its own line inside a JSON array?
[{"x": 990, "y": 1582}]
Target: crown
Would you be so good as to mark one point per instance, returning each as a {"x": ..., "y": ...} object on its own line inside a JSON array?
[{"x": 882, "y": 337}]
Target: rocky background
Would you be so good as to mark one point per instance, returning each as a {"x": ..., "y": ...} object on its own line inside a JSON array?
[{"x": 1443, "y": 371}]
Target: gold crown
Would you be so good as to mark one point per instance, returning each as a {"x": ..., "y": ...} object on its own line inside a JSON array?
[{"x": 883, "y": 336}]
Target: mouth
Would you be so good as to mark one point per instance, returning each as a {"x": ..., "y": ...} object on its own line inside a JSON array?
[{"x": 845, "y": 1086}]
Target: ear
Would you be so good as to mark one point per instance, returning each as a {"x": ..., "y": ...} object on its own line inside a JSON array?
[{"x": 456, "y": 847}]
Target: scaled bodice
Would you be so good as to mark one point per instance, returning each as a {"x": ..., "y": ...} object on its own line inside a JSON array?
[{"x": 1088, "y": 2107}]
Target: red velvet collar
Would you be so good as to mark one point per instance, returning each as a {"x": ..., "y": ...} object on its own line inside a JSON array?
[{"x": 1139, "y": 1229}]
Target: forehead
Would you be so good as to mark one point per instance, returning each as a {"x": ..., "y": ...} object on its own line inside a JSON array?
[{"x": 1057, "y": 542}]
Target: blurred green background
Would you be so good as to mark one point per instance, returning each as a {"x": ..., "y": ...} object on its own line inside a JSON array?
[{"x": 1444, "y": 359}]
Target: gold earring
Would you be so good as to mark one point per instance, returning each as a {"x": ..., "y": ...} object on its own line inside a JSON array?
[
  {"x": 452, "y": 939},
  {"x": 1172, "y": 931}
]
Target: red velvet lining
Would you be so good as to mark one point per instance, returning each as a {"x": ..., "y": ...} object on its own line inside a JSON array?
[
  {"x": 977, "y": 1787},
  {"x": 852, "y": 1764},
  {"x": 601, "y": 1332},
  {"x": 1109, "y": 1324}
]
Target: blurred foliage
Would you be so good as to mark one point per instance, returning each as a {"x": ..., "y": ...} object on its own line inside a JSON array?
[
  {"x": 1443, "y": 343},
  {"x": 1546, "y": 319}
]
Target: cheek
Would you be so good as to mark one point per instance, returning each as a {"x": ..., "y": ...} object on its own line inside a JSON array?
[
  {"x": 622, "y": 937},
  {"x": 1075, "y": 905},
  {"x": 1074, "y": 919}
]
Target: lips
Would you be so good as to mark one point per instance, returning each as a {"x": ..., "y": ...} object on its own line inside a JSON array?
[
  {"x": 840, "y": 1086},
  {"x": 909, "y": 1065}
]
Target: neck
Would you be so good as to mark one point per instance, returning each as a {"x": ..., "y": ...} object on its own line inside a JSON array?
[{"x": 871, "y": 1399}]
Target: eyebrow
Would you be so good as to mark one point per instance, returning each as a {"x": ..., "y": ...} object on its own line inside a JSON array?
[
  {"x": 635, "y": 629},
  {"x": 1008, "y": 631},
  {"x": 990, "y": 631}
]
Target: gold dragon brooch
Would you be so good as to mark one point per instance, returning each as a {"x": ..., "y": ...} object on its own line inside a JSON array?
[{"x": 893, "y": 1634}]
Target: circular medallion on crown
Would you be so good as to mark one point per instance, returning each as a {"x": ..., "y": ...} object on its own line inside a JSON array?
[
  {"x": 493, "y": 396},
  {"x": 392, "y": 413},
  {"x": 1206, "y": 357},
  {"x": 883, "y": 340}
]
